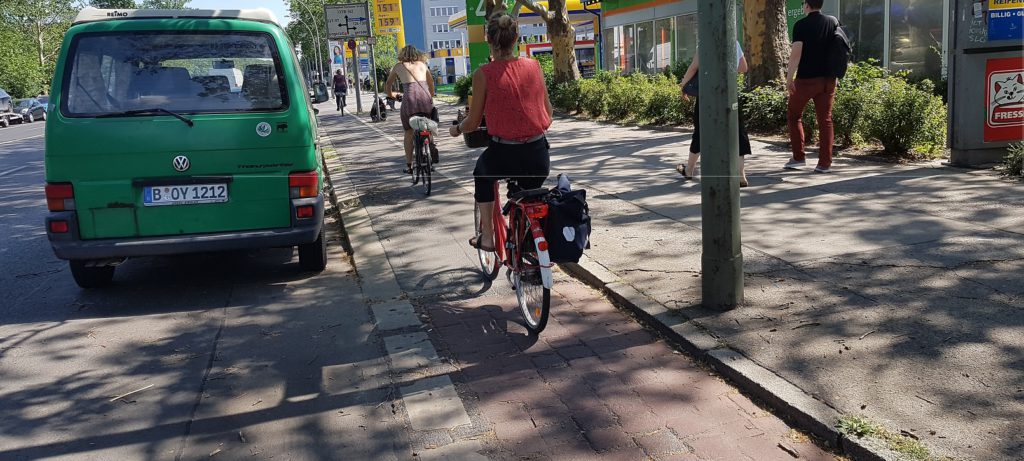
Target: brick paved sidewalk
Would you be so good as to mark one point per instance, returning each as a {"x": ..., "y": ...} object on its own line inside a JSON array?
[{"x": 595, "y": 384}]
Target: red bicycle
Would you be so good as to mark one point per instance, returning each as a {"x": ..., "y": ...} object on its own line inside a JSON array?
[{"x": 519, "y": 245}]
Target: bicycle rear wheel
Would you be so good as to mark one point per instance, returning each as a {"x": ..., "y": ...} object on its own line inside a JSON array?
[
  {"x": 416, "y": 152},
  {"x": 490, "y": 265},
  {"x": 425, "y": 164},
  {"x": 533, "y": 297}
]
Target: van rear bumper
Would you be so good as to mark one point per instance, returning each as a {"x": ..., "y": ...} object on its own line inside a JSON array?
[{"x": 70, "y": 246}]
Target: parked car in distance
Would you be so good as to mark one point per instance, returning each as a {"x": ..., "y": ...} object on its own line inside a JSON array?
[
  {"x": 30, "y": 110},
  {"x": 6, "y": 107}
]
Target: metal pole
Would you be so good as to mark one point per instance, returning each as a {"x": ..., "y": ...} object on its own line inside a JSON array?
[
  {"x": 316, "y": 41},
  {"x": 373, "y": 71},
  {"x": 722, "y": 258},
  {"x": 356, "y": 82},
  {"x": 319, "y": 42}
]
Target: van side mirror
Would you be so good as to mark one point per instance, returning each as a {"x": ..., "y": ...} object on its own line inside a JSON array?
[{"x": 320, "y": 93}]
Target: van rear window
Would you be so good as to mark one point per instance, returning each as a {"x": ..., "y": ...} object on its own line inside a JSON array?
[{"x": 193, "y": 72}]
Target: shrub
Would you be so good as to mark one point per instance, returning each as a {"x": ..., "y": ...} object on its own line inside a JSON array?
[
  {"x": 464, "y": 87},
  {"x": 904, "y": 117},
  {"x": 665, "y": 104},
  {"x": 1013, "y": 164},
  {"x": 566, "y": 96},
  {"x": 628, "y": 96},
  {"x": 594, "y": 95},
  {"x": 764, "y": 108},
  {"x": 547, "y": 66}
]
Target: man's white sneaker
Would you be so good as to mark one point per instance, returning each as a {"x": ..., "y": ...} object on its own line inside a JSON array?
[
  {"x": 819, "y": 169},
  {"x": 794, "y": 164}
]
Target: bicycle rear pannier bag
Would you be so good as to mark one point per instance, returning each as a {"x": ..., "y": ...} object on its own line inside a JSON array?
[{"x": 567, "y": 226}]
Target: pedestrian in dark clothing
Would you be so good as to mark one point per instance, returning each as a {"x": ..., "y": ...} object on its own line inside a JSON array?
[
  {"x": 340, "y": 89},
  {"x": 688, "y": 169},
  {"x": 808, "y": 78}
]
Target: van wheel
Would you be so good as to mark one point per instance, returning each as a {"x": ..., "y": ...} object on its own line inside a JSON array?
[
  {"x": 31, "y": 118},
  {"x": 3, "y": 122},
  {"x": 42, "y": 116},
  {"x": 91, "y": 277},
  {"x": 313, "y": 256}
]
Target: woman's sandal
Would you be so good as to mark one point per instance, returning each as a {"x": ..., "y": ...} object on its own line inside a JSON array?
[
  {"x": 744, "y": 183},
  {"x": 475, "y": 242},
  {"x": 682, "y": 170},
  {"x": 407, "y": 170}
]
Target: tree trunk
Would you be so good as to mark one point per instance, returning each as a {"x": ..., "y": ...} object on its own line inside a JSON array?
[
  {"x": 767, "y": 41},
  {"x": 563, "y": 43},
  {"x": 41, "y": 44}
]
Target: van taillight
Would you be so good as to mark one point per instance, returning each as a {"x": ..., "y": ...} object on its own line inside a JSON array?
[
  {"x": 303, "y": 185},
  {"x": 60, "y": 197}
]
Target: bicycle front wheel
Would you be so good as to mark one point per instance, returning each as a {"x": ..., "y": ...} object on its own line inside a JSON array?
[
  {"x": 490, "y": 265},
  {"x": 533, "y": 297}
]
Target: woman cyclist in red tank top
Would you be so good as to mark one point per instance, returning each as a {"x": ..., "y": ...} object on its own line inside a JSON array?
[{"x": 510, "y": 92}]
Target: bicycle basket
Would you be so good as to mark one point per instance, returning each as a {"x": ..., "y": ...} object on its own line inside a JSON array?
[{"x": 478, "y": 138}]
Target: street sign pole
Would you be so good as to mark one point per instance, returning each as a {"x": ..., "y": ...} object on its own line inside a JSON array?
[
  {"x": 373, "y": 68},
  {"x": 355, "y": 72},
  {"x": 722, "y": 256}
]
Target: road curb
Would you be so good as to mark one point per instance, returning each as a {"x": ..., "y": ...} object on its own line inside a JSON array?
[{"x": 797, "y": 407}]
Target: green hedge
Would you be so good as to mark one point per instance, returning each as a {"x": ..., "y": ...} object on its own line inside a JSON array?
[{"x": 871, "y": 105}]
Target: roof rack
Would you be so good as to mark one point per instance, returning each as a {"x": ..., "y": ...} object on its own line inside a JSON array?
[{"x": 95, "y": 14}]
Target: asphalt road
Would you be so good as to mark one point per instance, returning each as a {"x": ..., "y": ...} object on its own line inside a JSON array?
[{"x": 230, "y": 354}]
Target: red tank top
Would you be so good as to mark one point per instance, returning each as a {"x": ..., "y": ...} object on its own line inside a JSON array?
[{"x": 514, "y": 107}]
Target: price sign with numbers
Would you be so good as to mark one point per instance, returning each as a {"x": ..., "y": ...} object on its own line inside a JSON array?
[{"x": 388, "y": 16}]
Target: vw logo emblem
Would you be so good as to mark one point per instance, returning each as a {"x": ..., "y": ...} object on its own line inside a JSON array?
[{"x": 181, "y": 163}]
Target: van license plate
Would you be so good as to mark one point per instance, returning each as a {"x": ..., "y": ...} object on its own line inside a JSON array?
[{"x": 184, "y": 195}]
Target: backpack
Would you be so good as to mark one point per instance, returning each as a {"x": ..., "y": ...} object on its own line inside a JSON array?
[
  {"x": 839, "y": 51},
  {"x": 567, "y": 225}
]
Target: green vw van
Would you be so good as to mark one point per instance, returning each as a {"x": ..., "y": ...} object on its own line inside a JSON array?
[{"x": 152, "y": 150}]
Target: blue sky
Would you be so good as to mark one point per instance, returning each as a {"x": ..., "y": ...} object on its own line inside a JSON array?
[{"x": 277, "y": 6}]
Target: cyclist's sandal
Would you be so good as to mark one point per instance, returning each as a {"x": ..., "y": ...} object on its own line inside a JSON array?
[
  {"x": 408, "y": 168},
  {"x": 682, "y": 170},
  {"x": 475, "y": 242}
]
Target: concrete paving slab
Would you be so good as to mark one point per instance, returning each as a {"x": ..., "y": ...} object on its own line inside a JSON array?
[
  {"x": 433, "y": 403},
  {"x": 395, "y": 315}
]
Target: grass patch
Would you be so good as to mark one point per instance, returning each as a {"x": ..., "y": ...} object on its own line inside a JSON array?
[
  {"x": 447, "y": 98},
  {"x": 860, "y": 427}
]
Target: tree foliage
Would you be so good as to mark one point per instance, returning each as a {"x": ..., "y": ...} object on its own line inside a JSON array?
[
  {"x": 113, "y": 4},
  {"x": 20, "y": 74},
  {"x": 38, "y": 27},
  {"x": 165, "y": 4}
]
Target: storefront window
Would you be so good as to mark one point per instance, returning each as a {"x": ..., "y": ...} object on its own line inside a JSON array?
[
  {"x": 686, "y": 38},
  {"x": 612, "y": 48},
  {"x": 645, "y": 51},
  {"x": 629, "y": 47},
  {"x": 663, "y": 43},
  {"x": 916, "y": 37},
  {"x": 863, "y": 22}
]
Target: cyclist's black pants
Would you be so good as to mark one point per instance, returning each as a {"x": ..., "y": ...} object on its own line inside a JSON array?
[{"x": 527, "y": 164}]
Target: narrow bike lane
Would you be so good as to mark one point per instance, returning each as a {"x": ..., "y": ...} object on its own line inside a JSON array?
[{"x": 594, "y": 384}]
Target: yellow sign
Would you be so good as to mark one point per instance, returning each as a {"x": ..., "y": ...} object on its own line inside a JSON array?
[
  {"x": 388, "y": 16},
  {"x": 1005, "y": 4}
]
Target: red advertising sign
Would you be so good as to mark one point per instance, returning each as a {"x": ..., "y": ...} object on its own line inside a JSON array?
[{"x": 1004, "y": 99}]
